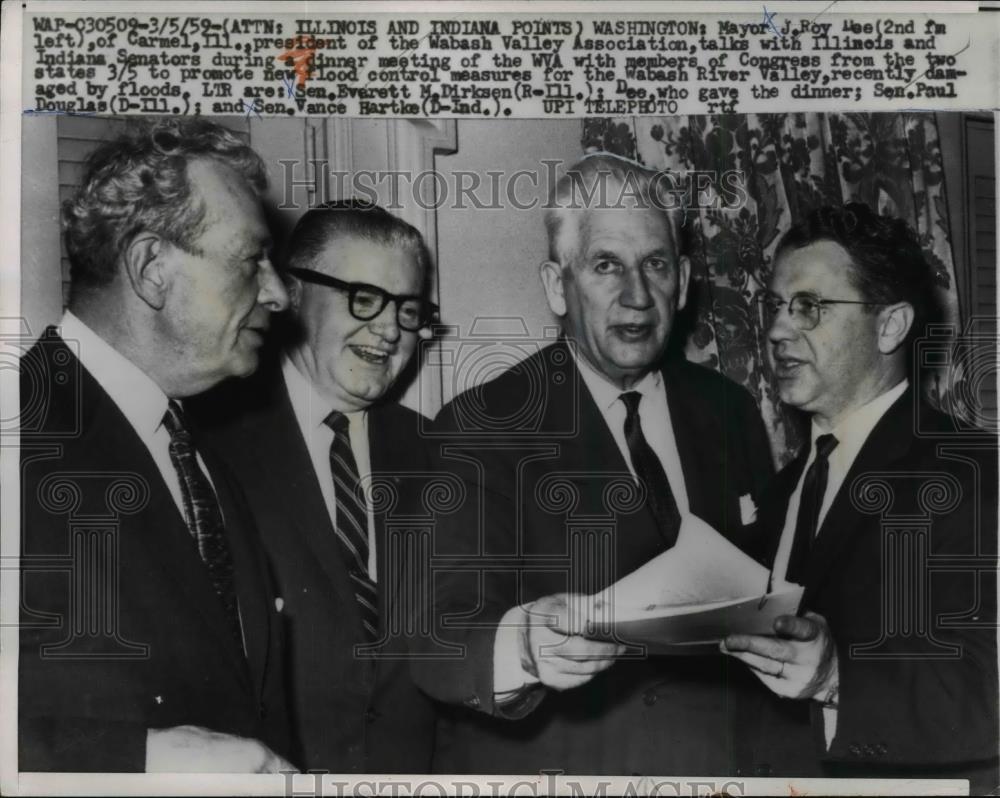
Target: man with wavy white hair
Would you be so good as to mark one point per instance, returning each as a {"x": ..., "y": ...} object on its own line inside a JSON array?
[{"x": 150, "y": 639}]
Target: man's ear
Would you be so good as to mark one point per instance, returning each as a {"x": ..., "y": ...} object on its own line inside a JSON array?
[
  {"x": 552, "y": 279},
  {"x": 146, "y": 268},
  {"x": 684, "y": 275},
  {"x": 293, "y": 287},
  {"x": 894, "y": 325}
]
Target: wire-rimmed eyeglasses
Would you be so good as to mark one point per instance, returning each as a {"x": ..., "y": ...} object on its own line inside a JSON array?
[
  {"x": 365, "y": 301},
  {"x": 804, "y": 309}
]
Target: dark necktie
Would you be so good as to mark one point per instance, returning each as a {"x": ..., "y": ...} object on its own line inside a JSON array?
[
  {"x": 649, "y": 471},
  {"x": 813, "y": 490},
  {"x": 202, "y": 514},
  {"x": 352, "y": 520}
]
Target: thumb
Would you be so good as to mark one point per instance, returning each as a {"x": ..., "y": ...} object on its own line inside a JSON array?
[{"x": 796, "y": 627}]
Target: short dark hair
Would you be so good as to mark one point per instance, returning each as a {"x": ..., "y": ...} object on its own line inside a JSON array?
[
  {"x": 139, "y": 181},
  {"x": 888, "y": 263},
  {"x": 354, "y": 218}
]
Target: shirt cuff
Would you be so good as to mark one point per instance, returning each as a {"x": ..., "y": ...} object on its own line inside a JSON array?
[{"x": 509, "y": 677}]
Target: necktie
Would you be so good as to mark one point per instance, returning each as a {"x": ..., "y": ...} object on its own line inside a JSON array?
[
  {"x": 649, "y": 471},
  {"x": 813, "y": 489},
  {"x": 202, "y": 514},
  {"x": 352, "y": 520}
]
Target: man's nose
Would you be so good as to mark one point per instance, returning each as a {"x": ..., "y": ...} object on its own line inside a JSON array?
[
  {"x": 782, "y": 328},
  {"x": 635, "y": 293},
  {"x": 386, "y": 323},
  {"x": 271, "y": 293}
]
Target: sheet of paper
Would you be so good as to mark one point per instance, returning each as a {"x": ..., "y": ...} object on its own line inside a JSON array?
[
  {"x": 696, "y": 629},
  {"x": 702, "y": 567}
]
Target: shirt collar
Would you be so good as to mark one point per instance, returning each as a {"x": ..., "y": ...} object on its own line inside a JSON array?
[
  {"x": 141, "y": 400},
  {"x": 605, "y": 392},
  {"x": 852, "y": 432},
  {"x": 309, "y": 405}
]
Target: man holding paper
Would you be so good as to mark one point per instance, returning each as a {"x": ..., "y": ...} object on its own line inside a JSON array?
[
  {"x": 888, "y": 519},
  {"x": 578, "y": 466}
]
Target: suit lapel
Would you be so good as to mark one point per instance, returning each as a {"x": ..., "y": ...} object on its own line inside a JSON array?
[
  {"x": 889, "y": 440},
  {"x": 169, "y": 547},
  {"x": 277, "y": 437},
  {"x": 387, "y": 438},
  {"x": 700, "y": 463},
  {"x": 250, "y": 584},
  {"x": 774, "y": 504},
  {"x": 593, "y": 450}
]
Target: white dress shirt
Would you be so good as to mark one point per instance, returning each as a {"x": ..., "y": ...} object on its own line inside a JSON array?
[
  {"x": 654, "y": 417},
  {"x": 851, "y": 434},
  {"x": 311, "y": 409}
]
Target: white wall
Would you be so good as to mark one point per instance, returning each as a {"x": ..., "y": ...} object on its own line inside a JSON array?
[
  {"x": 488, "y": 259},
  {"x": 41, "y": 277}
]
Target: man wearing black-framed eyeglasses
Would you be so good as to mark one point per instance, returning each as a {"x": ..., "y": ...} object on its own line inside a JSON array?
[
  {"x": 890, "y": 687},
  {"x": 322, "y": 417},
  {"x": 366, "y": 301}
]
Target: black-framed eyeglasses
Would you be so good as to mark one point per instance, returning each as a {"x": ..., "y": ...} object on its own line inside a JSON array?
[
  {"x": 365, "y": 301},
  {"x": 804, "y": 309}
]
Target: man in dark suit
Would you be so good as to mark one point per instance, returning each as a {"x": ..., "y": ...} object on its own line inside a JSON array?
[
  {"x": 888, "y": 519},
  {"x": 150, "y": 639},
  {"x": 344, "y": 463},
  {"x": 578, "y": 465}
]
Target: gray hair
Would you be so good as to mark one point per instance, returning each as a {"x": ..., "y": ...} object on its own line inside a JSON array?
[
  {"x": 140, "y": 182},
  {"x": 605, "y": 180}
]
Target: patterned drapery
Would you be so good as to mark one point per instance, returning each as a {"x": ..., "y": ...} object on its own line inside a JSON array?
[{"x": 791, "y": 163}]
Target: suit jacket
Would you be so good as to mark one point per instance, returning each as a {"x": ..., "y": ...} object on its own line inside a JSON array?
[
  {"x": 121, "y": 630},
  {"x": 548, "y": 506},
  {"x": 352, "y": 712},
  {"x": 903, "y": 569}
]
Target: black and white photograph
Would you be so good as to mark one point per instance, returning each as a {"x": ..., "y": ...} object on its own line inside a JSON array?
[{"x": 436, "y": 448}]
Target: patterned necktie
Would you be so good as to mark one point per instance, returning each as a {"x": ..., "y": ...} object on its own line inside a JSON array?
[
  {"x": 813, "y": 490},
  {"x": 202, "y": 514},
  {"x": 649, "y": 471},
  {"x": 352, "y": 520}
]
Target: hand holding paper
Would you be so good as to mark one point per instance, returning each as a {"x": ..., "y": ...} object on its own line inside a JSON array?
[
  {"x": 553, "y": 648},
  {"x": 799, "y": 662}
]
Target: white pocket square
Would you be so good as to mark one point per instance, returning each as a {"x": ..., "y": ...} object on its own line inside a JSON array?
[{"x": 748, "y": 510}]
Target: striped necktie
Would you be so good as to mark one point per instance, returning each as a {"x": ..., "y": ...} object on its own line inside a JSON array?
[
  {"x": 352, "y": 520},
  {"x": 202, "y": 514}
]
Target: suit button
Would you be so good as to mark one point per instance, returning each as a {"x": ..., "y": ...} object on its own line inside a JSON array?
[
  {"x": 649, "y": 698},
  {"x": 472, "y": 701},
  {"x": 372, "y": 715},
  {"x": 262, "y": 710},
  {"x": 869, "y": 750},
  {"x": 855, "y": 749},
  {"x": 882, "y": 749},
  {"x": 762, "y": 770}
]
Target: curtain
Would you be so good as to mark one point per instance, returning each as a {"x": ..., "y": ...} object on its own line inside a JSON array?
[{"x": 790, "y": 163}]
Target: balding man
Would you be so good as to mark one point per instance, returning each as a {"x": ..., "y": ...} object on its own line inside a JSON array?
[{"x": 550, "y": 453}]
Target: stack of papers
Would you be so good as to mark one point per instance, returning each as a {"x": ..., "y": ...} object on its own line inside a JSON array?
[{"x": 691, "y": 596}]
